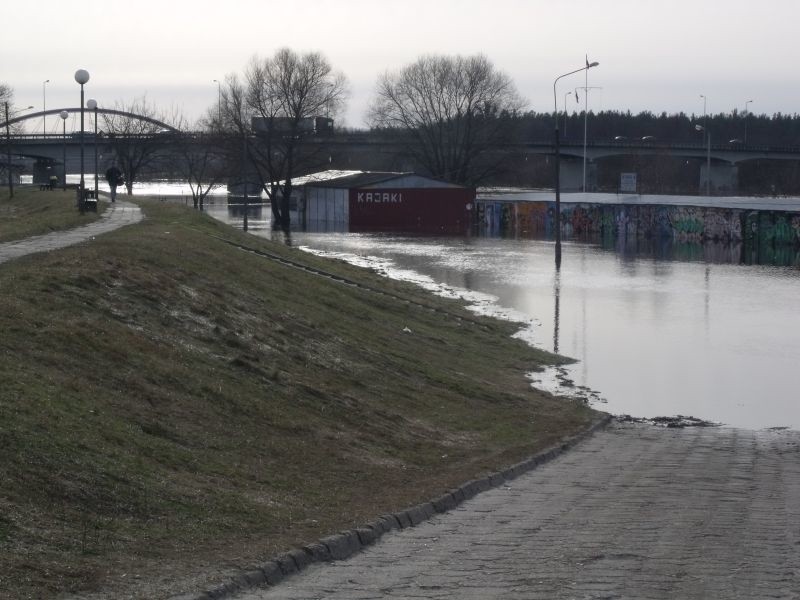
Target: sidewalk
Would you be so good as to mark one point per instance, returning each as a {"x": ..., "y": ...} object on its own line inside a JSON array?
[
  {"x": 119, "y": 214},
  {"x": 633, "y": 512}
]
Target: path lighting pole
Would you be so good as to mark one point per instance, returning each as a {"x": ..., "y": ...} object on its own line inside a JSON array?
[
  {"x": 558, "y": 160},
  {"x": 64, "y": 114},
  {"x": 8, "y": 151},
  {"x": 82, "y": 77},
  {"x": 44, "y": 106},
  {"x": 91, "y": 104},
  {"x": 219, "y": 104},
  {"x": 746, "y": 114},
  {"x": 708, "y": 157},
  {"x": 565, "y": 113}
]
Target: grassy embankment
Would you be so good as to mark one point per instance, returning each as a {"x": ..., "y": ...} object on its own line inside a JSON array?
[
  {"x": 32, "y": 212},
  {"x": 173, "y": 408}
]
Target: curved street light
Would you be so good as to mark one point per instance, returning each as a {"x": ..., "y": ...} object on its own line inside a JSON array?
[
  {"x": 82, "y": 77},
  {"x": 558, "y": 160},
  {"x": 8, "y": 150},
  {"x": 64, "y": 114},
  {"x": 746, "y": 114},
  {"x": 708, "y": 157}
]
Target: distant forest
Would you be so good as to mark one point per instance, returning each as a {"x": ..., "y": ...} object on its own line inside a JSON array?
[{"x": 761, "y": 130}]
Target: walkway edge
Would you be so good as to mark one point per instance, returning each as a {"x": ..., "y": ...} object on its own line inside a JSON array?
[{"x": 347, "y": 543}]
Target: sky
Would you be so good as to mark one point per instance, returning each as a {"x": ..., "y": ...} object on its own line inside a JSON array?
[{"x": 656, "y": 56}]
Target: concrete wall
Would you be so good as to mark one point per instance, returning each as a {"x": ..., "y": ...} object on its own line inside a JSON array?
[{"x": 681, "y": 223}]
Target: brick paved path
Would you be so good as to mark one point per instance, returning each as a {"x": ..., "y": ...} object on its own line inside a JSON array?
[
  {"x": 633, "y": 512},
  {"x": 118, "y": 214}
]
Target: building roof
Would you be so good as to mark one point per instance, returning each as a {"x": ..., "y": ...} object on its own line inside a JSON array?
[{"x": 367, "y": 179}]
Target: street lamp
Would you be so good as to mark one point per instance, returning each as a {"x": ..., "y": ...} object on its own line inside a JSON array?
[
  {"x": 82, "y": 77},
  {"x": 708, "y": 157},
  {"x": 585, "y": 89},
  {"x": 746, "y": 114},
  {"x": 8, "y": 151},
  {"x": 44, "y": 106},
  {"x": 565, "y": 113},
  {"x": 64, "y": 114},
  {"x": 219, "y": 104},
  {"x": 558, "y": 160},
  {"x": 91, "y": 104}
]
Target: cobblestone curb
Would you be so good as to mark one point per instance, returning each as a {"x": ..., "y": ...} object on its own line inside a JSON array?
[{"x": 347, "y": 543}]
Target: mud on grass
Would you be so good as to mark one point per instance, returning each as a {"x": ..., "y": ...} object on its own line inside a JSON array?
[{"x": 174, "y": 409}]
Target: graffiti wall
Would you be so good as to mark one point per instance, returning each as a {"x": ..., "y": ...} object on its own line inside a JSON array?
[{"x": 680, "y": 223}]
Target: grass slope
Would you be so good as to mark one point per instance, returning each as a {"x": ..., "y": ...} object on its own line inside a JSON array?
[
  {"x": 31, "y": 212},
  {"x": 173, "y": 408}
]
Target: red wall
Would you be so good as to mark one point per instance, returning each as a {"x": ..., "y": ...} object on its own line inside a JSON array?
[{"x": 418, "y": 210}]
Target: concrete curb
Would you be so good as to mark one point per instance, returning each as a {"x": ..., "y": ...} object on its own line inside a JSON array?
[{"x": 343, "y": 545}]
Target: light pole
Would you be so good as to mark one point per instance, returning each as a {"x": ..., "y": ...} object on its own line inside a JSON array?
[
  {"x": 558, "y": 160},
  {"x": 219, "y": 104},
  {"x": 64, "y": 114},
  {"x": 565, "y": 113},
  {"x": 82, "y": 77},
  {"x": 91, "y": 104},
  {"x": 44, "y": 106},
  {"x": 708, "y": 157},
  {"x": 585, "y": 89},
  {"x": 746, "y": 114},
  {"x": 8, "y": 151}
]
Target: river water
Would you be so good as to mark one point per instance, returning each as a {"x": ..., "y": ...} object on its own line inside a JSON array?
[{"x": 654, "y": 332}]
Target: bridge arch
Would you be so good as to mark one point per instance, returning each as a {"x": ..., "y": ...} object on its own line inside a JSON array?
[{"x": 105, "y": 111}]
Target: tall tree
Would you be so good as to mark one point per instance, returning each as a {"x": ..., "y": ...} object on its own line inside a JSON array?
[
  {"x": 276, "y": 110},
  {"x": 451, "y": 112},
  {"x": 137, "y": 142}
]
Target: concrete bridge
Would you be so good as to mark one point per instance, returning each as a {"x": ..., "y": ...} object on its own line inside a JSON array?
[{"x": 51, "y": 151}]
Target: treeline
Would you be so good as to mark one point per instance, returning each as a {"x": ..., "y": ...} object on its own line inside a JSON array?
[{"x": 759, "y": 130}]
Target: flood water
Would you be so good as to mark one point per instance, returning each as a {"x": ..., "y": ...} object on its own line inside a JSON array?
[{"x": 654, "y": 333}]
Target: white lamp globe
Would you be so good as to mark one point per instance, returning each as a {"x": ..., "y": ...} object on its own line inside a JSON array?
[
  {"x": 91, "y": 104},
  {"x": 81, "y": 76}
]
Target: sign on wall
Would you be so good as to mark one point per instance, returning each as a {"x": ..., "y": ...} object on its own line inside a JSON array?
[{"x": 627, "y": 182}]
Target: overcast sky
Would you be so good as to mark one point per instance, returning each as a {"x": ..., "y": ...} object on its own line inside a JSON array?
[{"x": 657, "y": 56}]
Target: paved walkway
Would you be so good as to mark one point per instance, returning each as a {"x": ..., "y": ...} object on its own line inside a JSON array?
[
  {"x": 634, "y": 512},
  {"x": 118, "y": 214}
]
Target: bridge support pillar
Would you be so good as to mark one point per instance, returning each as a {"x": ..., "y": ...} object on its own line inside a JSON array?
[
  {"x": 43, "y": 168},
  {"x": 572, "y": 175},
  {"x": 724, "y": 178}
]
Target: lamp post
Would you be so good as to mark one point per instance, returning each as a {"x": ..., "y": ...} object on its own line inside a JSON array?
[
  {"x": 585, "y": 89},
  {"x": 708, "y": 157},
  {"x": 558, "y": 160},
  {"x": 8, "y": 151},
  {"x": 91, "y": 104},
  {"x": 219, "y": 104},
  {"x": 746, "y": 114},
  {"x": 44, "y": 106},
  {"x": 82, "y": 77},
  {"x": 64, "y": 114},
  {"x": 565, "y": 113}
]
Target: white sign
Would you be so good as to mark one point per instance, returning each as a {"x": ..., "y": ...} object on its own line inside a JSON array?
[{"x": 627, "y": 182}]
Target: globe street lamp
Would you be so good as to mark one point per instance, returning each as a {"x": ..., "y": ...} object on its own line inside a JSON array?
[
  {"x": 44, "y": 106},
  {"x": 558, "y": 160},
  {"x": 64, "y": 114},
  {"x": 8, "y": 151},
  {"x": 91, "y": 104},
  {"x": 82, "y": 77}
]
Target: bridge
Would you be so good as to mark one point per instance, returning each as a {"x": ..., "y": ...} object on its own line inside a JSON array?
[{"x": 52, "y": 151}]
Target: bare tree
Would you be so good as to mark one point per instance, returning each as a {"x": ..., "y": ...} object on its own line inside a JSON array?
[
  {"x": 451, "y": 111},
  {"x": 275, "y": 111},
  {"x": 137, "y": 142}
]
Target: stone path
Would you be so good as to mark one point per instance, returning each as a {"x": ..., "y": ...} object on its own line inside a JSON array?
[
  {"x": 118, "y": 214},
  {"x": 633, "y": 512}
]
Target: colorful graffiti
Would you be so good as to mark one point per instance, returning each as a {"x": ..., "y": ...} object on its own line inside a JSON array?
[{"x": 680, "y": 223}]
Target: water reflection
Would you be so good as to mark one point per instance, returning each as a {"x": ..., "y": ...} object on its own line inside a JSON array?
[{"x": 667, "y": 328}]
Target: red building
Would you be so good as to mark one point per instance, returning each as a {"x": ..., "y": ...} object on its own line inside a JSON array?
[{"x": 383, "y": 201}]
